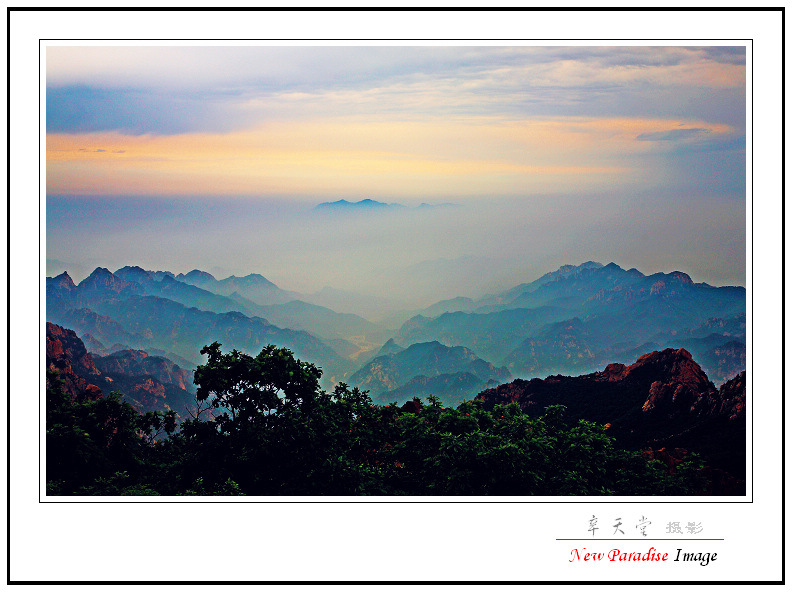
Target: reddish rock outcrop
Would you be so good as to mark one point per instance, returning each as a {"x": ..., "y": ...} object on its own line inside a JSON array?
[
  {"x": 682, "y": 387},
  {"x": 730, "y": 401},
  {"x": 148, "y": 383},
  {"x": 66, "y": 354},
  {"x": 669, "y": 383},
  {"x": 664, "y": 399},
  {"x": 657, "y": 287},
  {"x": 412, "y": 406}
]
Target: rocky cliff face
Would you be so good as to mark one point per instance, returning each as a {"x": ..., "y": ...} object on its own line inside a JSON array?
[
  {"x": 731, "y": 400},
  {"x": 148, "y": 383},
  {"x": 659, "y": 383},
  {"x": 67, "y": 355},
  {"x": 662, "y": 399}
]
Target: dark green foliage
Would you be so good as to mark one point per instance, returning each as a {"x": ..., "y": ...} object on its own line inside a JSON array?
[
  {"x": 94, "y": 445},
  {"x": 263, "y": 427},
  {"x": 250, "y": 388}
]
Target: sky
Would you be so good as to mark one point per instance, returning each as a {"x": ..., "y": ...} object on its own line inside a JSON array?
[{"x": 213, "y": 158}]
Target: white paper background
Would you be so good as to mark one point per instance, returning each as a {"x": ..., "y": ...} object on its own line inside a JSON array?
[{"x": 388, "y": 541}]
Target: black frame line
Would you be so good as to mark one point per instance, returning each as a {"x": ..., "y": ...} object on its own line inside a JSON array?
[
  {"x": 9, "y": 11},
  {"x": 401, "y": 9}
]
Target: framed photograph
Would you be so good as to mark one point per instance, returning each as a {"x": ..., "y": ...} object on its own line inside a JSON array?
[{"x": 491, "y": 293}]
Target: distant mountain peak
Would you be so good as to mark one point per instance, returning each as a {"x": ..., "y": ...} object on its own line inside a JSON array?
[
  {"x": 100, "y": 272},
  {"x": 568, "y": 270},
  {"x": 363, "y": 204},
  {"x": 132, "y": 273},
  {"x": 251, "y": 280},
  {"x": 587, "y": 265},
  {"x": 63, "y": 275},
  {"x": 132, "y": 268},
  {"x": 103, "y": 279},
  {"x": 369, "y": 205},
  {"x": 197, "y": 275},
  {"x": 681, "y": 277},
  {"x": 64, "y": 280}
]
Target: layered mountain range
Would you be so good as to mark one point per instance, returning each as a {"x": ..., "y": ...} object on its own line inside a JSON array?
[
  {"x": 575, "y": 320},
  {"x": 171, "y": 316},
  {"x": 580, "y": 318}
]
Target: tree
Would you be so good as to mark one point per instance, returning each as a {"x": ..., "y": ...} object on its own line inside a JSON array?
[
  {"x": 278, "y": 433},
  {"x": 250, "y": 388}
]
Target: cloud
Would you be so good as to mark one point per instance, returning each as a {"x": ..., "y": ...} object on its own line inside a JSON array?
[
  {"x": 174, "y": 90},
  {"x": 234, "y": 69},
  {"x": 78, "y": 109},
  {"x": 390, "y": 121},
  {"x": 351, "y": 156},
  {"x": 673, "y": 135}
]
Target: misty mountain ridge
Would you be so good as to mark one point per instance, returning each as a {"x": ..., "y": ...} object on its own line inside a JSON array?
[
  {"x": 578, "y": 318},
  {"x": 320, "y": 321},
  {"x": 388, "y": 372},
  {"x": 253, "y": 286},
  {"x": 114, "y": 310},
  {"x": 573, "y": 320},
  {"x": 588, "y": 282}
]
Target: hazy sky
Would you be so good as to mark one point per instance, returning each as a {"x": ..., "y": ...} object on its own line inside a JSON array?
[{"x": 182, "y": 157}]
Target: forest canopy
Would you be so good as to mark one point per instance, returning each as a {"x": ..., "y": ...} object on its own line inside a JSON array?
[{"x": 262, "y": 426}]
